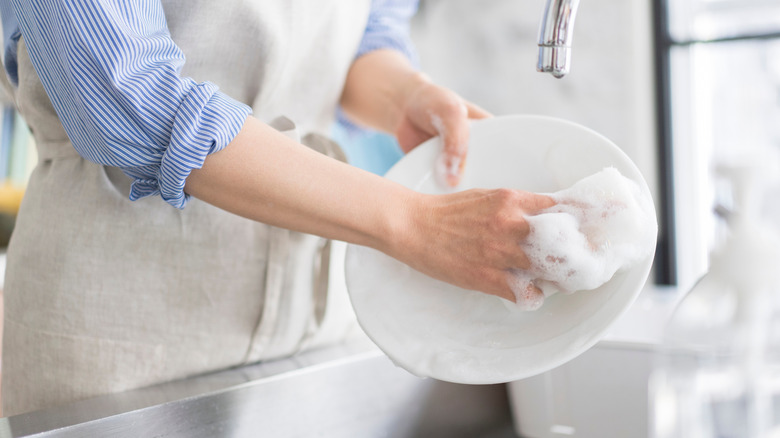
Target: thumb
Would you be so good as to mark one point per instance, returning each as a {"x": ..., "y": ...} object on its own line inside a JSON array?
[
  {"x": 533, "y": 203},
  {"x": 453, "y": 127}
]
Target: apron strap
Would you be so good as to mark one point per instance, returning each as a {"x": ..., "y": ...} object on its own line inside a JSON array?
[
  {"x": 321, "y": 274},
  {"x": 278, "y": 247},
  {"x": 279, "y": 250}
]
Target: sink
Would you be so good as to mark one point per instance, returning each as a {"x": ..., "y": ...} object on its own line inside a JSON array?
[{"x": 350, "y": 390}]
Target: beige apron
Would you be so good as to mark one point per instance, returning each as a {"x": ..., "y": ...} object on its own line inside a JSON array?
[{"x": 103, "y": 294}]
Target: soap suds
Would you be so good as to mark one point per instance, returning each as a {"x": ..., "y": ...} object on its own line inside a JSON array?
[
  {"x": 526, "y": 296},
  {"x": 447, "y": 166},
  {"x": 601, "y": 225}
]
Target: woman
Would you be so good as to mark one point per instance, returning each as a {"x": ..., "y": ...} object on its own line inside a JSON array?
[{"x": 109, "y": 287}]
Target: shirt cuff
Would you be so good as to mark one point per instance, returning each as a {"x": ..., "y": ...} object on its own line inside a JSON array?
[
  {"x": 206, "y": 122},
  {"x": 390, "y": 40},
  {"x": 388, "y": 28}
]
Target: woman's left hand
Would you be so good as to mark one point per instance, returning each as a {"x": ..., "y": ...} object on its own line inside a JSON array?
[
  {"x": 430, "y": 110},
  {"x": 383, "y": 91}
]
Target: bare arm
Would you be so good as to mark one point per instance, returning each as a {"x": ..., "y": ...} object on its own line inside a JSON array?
[
  {"x": 469, "y": 239},
  {"x": 265, "y": 176}
]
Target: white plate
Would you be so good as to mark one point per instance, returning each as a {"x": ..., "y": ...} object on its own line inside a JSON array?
[{"x": 437, "y": 330}]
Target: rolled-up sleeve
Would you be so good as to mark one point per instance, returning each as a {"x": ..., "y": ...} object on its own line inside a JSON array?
[
  {"x": 388, "y": 27},
  {"x": 112, "y": 73}
]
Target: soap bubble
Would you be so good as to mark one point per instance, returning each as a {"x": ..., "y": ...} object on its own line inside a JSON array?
[{"x": 601, "y": 225}]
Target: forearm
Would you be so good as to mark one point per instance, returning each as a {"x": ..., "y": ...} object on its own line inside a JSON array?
[
  {"x": 265, "y": 176},
  {"x": 377, "y": 87}
]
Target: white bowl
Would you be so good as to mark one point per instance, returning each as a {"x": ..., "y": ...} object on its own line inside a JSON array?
[{"x": 437, "y": 330}]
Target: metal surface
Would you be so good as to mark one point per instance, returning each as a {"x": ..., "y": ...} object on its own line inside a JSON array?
[
  {"x": 346, "y": 391},
  {"x": 555, "y": 35}
]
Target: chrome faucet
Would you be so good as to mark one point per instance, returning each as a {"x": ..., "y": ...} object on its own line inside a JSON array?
[{"x": 555, "y": 34}]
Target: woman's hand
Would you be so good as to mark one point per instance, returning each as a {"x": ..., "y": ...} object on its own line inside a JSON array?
[
  {"x": 430, "y": 110},
  {"x": 383, "y": 91},
  {"x": 471, "y": 239}
]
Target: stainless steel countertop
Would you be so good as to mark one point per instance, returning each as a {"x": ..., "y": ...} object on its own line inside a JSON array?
[{"x": 351, "y": 390}]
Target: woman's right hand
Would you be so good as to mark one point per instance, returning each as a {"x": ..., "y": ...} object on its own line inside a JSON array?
[{"x": 471, "y": 239}]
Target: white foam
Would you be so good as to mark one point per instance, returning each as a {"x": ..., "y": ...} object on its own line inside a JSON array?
[{"x": 601, "y": 225}]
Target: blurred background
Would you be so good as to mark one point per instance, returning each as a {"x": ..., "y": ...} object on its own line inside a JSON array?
[
  {"x": 685, "y": 87},
  {"x": 681, "y": 87},
  {"x": 688, "y": 89}
]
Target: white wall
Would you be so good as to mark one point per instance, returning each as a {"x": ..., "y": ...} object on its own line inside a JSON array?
[{"x": 486, "y": 50}]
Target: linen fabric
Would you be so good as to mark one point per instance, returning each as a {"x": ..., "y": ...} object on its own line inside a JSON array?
[
  {"x": 105, "y": 294},
  {"x": 112, "y": 72}
]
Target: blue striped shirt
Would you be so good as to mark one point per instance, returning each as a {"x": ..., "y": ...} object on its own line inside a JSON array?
[{"x": 112, "y": 70}]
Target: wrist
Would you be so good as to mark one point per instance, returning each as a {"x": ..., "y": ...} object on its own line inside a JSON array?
[{"x": 402, "y": 224}]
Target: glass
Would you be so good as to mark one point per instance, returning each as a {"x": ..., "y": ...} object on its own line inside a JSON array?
[
  {"x": 718, "y": 368},
  {"x": 725, "y": 109},
  {"x": 704, "y": 20}
]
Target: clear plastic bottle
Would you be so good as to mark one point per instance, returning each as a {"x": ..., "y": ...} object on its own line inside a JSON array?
[{"x": 717, "y": 373}]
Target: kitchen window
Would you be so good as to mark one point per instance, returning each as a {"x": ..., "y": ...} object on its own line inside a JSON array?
[{"x": 718, "y": 73}]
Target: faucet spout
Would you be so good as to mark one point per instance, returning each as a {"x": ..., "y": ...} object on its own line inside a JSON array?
[{"x": 555, "y": 34}]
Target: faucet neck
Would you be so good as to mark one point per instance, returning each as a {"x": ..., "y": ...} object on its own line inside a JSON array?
[{"x": 555, "y": 35}]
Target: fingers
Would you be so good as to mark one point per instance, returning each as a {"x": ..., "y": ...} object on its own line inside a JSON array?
[
  {"x": 531, "y": 299},
  {"x": 516, "y": 286},
  {"x": 520, "y": 260},
  {"x": 477, "y": 112},
  {"x": 476, "y": 239},
  {"x": 533, "y": 203},
  {"x": 433, "y": 110},
  {"x": 527, "y": 295},
  {"x": 454, "y": 129},
  {"x": 409, "y": 136},
  {"x": 526, "y": 202},
  {"x": 451, "y": 122}
]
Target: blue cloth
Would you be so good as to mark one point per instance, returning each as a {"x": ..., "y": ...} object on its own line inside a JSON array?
[
  {"x": 369, "y": 150},
  {"x": 112, "y": 70}
]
